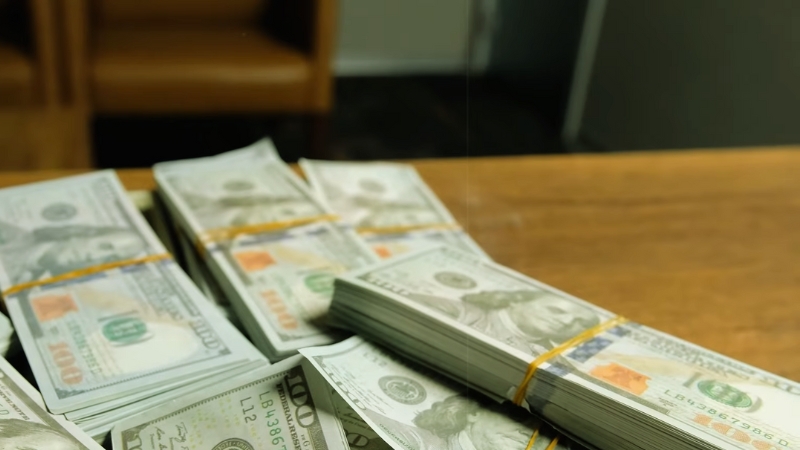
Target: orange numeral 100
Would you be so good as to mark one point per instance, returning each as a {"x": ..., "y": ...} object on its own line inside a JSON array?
[
  {"x": 62, "y": 356},
  {"x": 276, "y": 305},
  {"x": 739, "y": 435}
]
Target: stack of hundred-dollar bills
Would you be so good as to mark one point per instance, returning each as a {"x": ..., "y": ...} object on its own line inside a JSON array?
[
  {"x": 372, "y": 400},
  {"x": 266, "y": 240},
  {"x": 285, "y": 406},
  {"x": 108, "y": 322},
  {"x": 385, "y": 401},
  {"x": 389, "y": 205},
  {"x": 607, "y": 382}
]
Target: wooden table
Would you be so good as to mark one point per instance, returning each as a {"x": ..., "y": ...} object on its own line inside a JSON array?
[{"x": 704, "y": 245}]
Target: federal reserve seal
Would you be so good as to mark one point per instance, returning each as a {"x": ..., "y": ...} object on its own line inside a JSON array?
[
  {"x": 126, "y": 331},
  {"x": 59, "y": 211},
  {"x": 233, "y": 444},
  {"x": 455, "y": 280},
  {"x": 402, "y": 389}
]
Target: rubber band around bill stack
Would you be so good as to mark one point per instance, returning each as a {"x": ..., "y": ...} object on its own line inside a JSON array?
[
  {"x": 91, "y": 270},
  {"x": 224, "y": 234},
  {"x": 584, "y": 336},
  {"x": 532, "y": 441}
]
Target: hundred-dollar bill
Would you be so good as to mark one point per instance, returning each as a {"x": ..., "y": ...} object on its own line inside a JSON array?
[
  {"x": 279, "y": 281},
  {"x": 24, "y": 423},
  {"x": 6, "y": 334},
  {"x": 468, "y": 315},
  {"x": 389, "y": 205},
  {"x": 101, "y": 336},
  {"x": 98, "y": 426},
  {"x": 54, "y": 227},
  {"x": 286, "y": 406},
  {"x": 360, "y": 436},
  {"x": 288, "y": 279},
  {"x": 376, "y": 194},
  {"x": 143, "y": 201},
  {"x": 244, "y": 187},
  {"x": 393, "y": 403}
]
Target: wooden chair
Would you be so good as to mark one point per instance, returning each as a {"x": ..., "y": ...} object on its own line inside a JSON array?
[
  {"x": 27, "y": 54},
  {"x": 200, "y": 56},
  {"x": 36, "y": 130}
]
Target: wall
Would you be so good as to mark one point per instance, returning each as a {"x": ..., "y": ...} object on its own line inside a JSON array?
[
  {"x": 534, "y": 48},
  {"x": 530, "y": 44},
  {"x": 689, "y": 73},
  {"x": 395, "y": 37}
]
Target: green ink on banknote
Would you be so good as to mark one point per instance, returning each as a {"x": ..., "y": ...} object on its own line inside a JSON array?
[
  {"x": 725, "y": 394},
  {"x": 320, "y": 283},
  {"x": 125, "y": 331}
]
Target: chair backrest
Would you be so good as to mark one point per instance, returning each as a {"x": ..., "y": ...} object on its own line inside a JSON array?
[{"x": 111, "y": 13}]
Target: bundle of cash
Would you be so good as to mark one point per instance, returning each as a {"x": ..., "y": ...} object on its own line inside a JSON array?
[
  {"x": 609, "y": 382},
  {"x": 372, "y": 399},
  {"x": 107, "y": 320},
  {"x": 7, "y": 336},
  {"x": 384, "y": 401},
  {"x": 389, "y": 205},
  {"x": 271, "y": 246},
  {"x": 285, "y": 406},
  {"x": 24, "y": 423}
]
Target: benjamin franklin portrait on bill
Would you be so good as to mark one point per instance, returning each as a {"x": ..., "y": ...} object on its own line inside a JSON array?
[
  {"x": 371, "y": 204},
  {"x": 462, "y": 423},
  {"x": 54, "y": 250},
  {"x": 532, "y": 321},
  {"x": 242, "y": 205},
  {"x": 18, "y": 434}
]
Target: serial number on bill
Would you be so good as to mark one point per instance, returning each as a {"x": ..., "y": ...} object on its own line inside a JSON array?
[{"x": 730, "y": 426}]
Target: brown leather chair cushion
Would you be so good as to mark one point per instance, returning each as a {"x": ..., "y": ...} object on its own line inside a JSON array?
[
  {"x": 112, "y": 13},
  {"x": 16, "y": 77},
  {"x": 182, "y": 70}
]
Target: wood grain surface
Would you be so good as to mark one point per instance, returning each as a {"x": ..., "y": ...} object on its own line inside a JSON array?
[{"x": 704, "y": 245}]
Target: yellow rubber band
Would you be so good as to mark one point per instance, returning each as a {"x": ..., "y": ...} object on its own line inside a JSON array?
[
  {"x": 553, "y": 444},
  {"x": 407, "y": 228},
  {"x": 85, "y": 272},
  {"x": 228, "y": 233},
  {"x": 533, "y": 439},
  {"x": 575, "y": 341}
]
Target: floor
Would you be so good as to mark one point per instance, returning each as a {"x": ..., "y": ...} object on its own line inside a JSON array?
[{"x": 374, "y": 118}]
